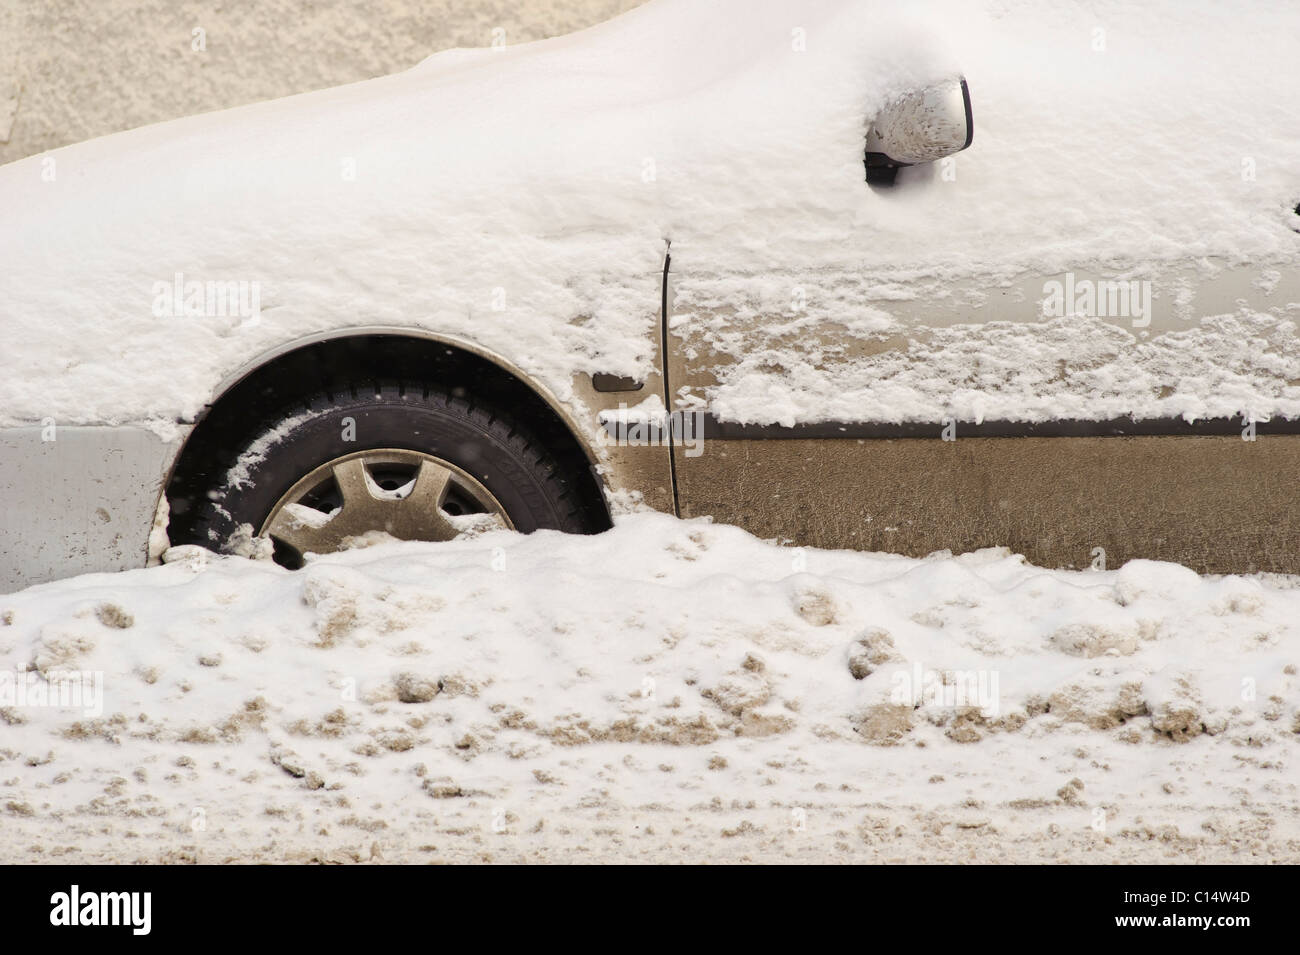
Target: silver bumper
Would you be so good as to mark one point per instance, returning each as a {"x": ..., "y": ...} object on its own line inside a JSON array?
[{"x": 77, "y": 500}]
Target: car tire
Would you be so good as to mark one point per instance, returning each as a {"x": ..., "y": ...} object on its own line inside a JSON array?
[{"x": 298, "y": 483}]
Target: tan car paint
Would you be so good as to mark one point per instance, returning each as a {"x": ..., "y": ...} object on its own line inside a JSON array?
[{"x": 1219, "y": 504}]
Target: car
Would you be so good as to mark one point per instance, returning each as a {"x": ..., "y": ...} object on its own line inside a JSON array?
[{"x": 741, "y": 260}]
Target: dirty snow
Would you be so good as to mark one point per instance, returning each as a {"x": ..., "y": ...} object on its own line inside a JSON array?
[
  {"x": 1242, "y": 365},
  {"x": 667, "y": 691}
]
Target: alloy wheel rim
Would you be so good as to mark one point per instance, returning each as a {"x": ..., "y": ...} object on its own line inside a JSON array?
[{"x": 407, "y": 494}]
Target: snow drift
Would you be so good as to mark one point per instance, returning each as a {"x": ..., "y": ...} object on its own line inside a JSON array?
[{"x": 667, "y": 690}]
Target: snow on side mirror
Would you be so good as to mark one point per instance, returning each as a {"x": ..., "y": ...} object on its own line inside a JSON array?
[{"x": 921, "y": 126}]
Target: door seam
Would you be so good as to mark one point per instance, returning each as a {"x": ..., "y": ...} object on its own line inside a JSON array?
[{"x": 663, "y": 374}]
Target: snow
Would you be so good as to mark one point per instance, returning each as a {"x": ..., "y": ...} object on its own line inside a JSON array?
[
  {"x": 523, "y": 199},
  {"x": 668, "y": 691},
  {"x": 1232, "y": 366}
]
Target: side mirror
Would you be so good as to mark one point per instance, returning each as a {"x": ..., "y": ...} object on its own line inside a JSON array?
[{"x": 921, "y": 126}]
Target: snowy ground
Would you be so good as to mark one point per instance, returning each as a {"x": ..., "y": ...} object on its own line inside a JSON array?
[{"x": 667, "y": 691}]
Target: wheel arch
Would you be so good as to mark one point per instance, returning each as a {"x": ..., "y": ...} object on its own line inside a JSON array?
[{"x": 273, "y": 383}]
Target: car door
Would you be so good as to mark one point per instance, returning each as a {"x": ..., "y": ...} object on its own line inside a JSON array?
[{"x": 805, "y": 437}]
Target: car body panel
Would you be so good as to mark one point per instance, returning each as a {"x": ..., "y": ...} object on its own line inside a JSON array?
[
  {"x": 1216, "y": 503},
  {"x": 826, "y": 395},
  {"x": 77, "y": 500},
  {"x": 827, "y": 346},
  {"x": 966, "y": 460}
]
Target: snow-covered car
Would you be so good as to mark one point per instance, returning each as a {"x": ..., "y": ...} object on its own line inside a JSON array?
[{"x": 721, "y": 258}]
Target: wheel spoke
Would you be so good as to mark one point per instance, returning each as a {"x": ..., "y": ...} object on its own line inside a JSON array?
[
  {"x": 423, "y": 506},
  {"x": 431, "y": 483},
  {"x": 301, "y": 536},
  {"x": 353, "y": 482}
]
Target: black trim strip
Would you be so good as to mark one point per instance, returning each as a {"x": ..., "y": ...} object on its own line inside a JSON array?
[
  {"x": 607, "y": 384},
  {"x": 1115, "y": 427},
  {"x": 970, "y": 118},
  {"x": 663, "y": 374}
]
